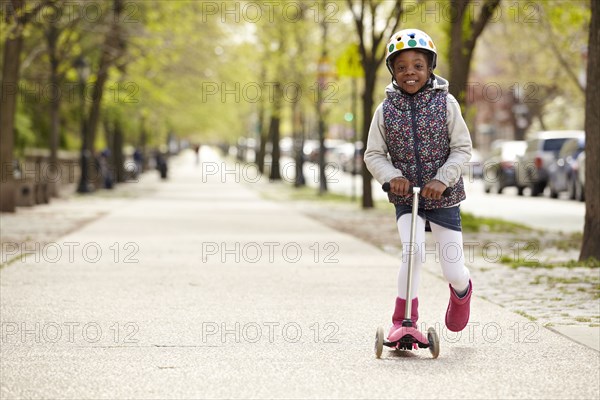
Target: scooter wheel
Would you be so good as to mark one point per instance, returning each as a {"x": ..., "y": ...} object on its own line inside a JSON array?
[
  {"x": 379, "y": 342},
  {"x": 434, "y": 342}
]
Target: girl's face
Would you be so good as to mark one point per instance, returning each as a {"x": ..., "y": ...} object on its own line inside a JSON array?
[{"x": 411, "y": 70}]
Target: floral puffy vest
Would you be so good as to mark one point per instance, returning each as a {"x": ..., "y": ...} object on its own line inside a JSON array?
[{"x": 419, "y": 143}]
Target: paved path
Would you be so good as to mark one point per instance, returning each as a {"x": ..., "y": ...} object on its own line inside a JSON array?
[{"x": 205, "y": 290}]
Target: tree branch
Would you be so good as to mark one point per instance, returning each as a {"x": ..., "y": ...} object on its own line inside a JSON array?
[
  {"x": 401, "y": 10},
  {"x": 373, "y": 11},
  {"x": 360, "y": 29},
  {"x": 559, "y": 55},
  {"x": 387, "y": 32},
  {"x": 486, "y": 13},
  {"x": 390, "y": 28},
  {"x": 25, "y": 18}
]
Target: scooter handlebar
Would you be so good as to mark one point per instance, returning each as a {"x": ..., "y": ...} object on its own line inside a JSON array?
[{"x": 386, "y": 188}]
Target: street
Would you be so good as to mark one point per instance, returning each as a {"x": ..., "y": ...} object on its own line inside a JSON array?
[
  {"x": 567, "y": 215},
  {"x": 203, "y": 289}
]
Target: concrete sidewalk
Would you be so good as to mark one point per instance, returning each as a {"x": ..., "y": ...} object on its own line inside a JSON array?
[{"x": 204, "y": 290}]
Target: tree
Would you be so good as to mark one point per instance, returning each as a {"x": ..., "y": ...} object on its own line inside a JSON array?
[
  {"x": 16, "y": 17},
  {"x": 465, "y": 28},
  {"x": 261, "y": 130},
  {"x": 174, "y": 73},
  {"x": 52, "y": 34},
  {"x": 283, "y": 57},
  {"x": 274, "y": 132},
  {"x": 591, "y": 230},
  {"x": 112, "y": 49},
  {"x": 298, "y": 69},
  {"x": 59, "y": 34},
  {"x": 372, "y": 55}
]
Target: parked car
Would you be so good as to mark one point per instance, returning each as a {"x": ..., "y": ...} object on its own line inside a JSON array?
[
  {"x": 349, "y": 156},
  {"x": 475, "y": 166},
  {"x": 580, "y": 182},
  {"x": 499, "y": 167},
  {"x": 286, "y": 147},
  {"x": 542, "y": 149},
  {"x": 563, "y": 171},
  {"x": 310, "y": 148},
  {"x": 330, "y": 144}
]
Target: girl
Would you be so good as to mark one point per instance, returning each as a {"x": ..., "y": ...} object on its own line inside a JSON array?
[{"x": 420, "y": 127}]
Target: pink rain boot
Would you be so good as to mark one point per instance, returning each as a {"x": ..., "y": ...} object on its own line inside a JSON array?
[
  {"x": 398, "y": 316},
  {"x": 459, "y": 309}
]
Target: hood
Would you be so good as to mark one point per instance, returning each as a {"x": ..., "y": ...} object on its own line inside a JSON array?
[{"x": 439, "y": 83}]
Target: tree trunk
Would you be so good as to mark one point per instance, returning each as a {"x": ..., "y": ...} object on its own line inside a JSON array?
[
  {"x": 463, "y": 37},
  {"x": 274, "y": 133},
  {"x": 591, "y": 231},
  {"x": 321, "y": 128},
  {"x": 10, "y": 78},
  {"x": 459, "y": 66},
  {"x": 298, "y": 143},
  {"x": 51, "y": 38},
  {"x": 117, "y": 151},
  {"x": 111, "y": 51},
  {"x": 367, "y": 109},
  {"x": 262, "y": 138}
]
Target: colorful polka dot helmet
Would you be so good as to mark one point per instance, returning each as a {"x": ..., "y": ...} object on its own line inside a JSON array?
[{"x": 408, "y": 39}]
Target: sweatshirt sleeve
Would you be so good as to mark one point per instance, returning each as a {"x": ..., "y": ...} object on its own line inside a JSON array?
[
  {"x": 376, "y": 153},
  {"x": 460, "y": 145}
]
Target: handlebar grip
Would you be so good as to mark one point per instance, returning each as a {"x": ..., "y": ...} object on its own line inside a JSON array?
[{"x": 386, "y": 188}]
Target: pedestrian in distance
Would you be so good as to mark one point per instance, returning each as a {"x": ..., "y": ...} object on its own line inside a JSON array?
[
  {"x": 197, "y": 152},
  {"x": 419, "y": 138}
]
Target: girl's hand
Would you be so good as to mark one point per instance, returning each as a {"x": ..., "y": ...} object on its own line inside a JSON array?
[
  {"x": 400, "y": 186},
  {"x": 433, "y": 190}
]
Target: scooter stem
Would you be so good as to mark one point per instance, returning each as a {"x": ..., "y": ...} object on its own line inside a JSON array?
[{"x": 413, "y": 250}]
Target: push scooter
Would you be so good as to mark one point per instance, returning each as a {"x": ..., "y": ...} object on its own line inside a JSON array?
[{"x": 408, "y": 337}]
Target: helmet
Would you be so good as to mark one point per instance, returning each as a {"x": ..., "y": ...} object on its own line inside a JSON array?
[{"x": 408, "y": 39}]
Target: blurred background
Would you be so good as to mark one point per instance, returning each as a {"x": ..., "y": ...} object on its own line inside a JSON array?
[{"x": 96, "y": 92}]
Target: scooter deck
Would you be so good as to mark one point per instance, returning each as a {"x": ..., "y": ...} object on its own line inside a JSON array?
[{"x": 405, "y": 338}]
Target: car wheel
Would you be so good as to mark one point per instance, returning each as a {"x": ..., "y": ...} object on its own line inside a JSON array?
[
  {"x": 537, "y": 188},
  {"x": 572, "y": 189}
]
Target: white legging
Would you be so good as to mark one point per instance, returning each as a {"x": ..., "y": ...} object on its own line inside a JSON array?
[{"x": 448, "y": 251}]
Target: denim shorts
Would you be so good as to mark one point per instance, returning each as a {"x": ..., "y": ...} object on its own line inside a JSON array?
[{"x": 446, "y": 217}]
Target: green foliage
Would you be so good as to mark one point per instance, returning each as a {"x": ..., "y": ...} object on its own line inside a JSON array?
[
  {"x": 591, "y": 263},
  {"x": 24, "y": 133},
  {"x": 196, "y": 73},
  {"x": 541, "y": 60},
  {"x": 471, "y": 223}
]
